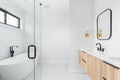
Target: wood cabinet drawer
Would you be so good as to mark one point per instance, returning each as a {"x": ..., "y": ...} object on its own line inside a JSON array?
[
  {"x": 98, "y": 65},
  {"x": 97, "y": 75},
  {"x": 118, "y": 74},
  {"x": 91, "y": 61},
  {"x": 83, "y": 60},
  {"x": 108, "y": 72},
  {"x": 83, "y": 55},
  {"x": 83, "y": 64},
  {"x": 91, "y": 73},
  {"x": 94, "y": 75}
]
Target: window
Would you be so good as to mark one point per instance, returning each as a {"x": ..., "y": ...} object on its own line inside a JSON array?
[
  {"x": 2, "y": 18},
  {"x": 9, "y": 19}
]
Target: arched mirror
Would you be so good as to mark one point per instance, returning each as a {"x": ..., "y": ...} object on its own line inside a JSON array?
[{"x": 104, "y": 25}]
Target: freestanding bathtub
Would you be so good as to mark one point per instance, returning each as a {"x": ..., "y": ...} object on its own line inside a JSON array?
[{"x": 17, "y": 67}]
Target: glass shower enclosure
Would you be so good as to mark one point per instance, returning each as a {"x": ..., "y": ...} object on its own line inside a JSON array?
[{"x": 20, "y": 39}]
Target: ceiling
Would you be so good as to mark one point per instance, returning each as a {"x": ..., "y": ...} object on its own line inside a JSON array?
[{"x": 26, "y": 5}]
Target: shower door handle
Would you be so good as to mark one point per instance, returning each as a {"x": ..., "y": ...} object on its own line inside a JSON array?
[{"x": 32, "y": 54}]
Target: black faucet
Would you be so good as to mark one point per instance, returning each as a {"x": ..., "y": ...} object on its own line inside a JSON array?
[
  {"x": 100, "y": 47},
  {"x": 12, "y": 51}
]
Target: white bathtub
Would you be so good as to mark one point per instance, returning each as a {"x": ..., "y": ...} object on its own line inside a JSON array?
[{"x": 17, "y": 67}]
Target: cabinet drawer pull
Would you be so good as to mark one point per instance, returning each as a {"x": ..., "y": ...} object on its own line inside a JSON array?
[
  {"x": 83, "y": 60},
  {"x": 104, "y": 78},
  {"x": 83, "y": 51}
]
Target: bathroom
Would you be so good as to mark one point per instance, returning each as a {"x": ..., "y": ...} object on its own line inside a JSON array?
[{"x": 43, "y": 39}]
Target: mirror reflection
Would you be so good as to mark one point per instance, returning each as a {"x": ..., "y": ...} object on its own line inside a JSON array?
[{"x": 104, "y": 25}]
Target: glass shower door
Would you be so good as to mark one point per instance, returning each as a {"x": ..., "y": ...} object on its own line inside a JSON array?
[{"x": 20, "y": 39}]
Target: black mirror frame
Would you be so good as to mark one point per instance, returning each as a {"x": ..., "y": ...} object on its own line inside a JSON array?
[{"x": 110, "y": 24}]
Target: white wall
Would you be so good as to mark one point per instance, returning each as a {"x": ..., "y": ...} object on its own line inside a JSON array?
[
  {"x": 81, "y": 17},
  {"x": 8, "y": 35},
  {"x": 55, "y": 30},
  {"x": 112, "y": 45}
]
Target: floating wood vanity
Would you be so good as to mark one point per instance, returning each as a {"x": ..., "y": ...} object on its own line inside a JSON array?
[{"x": 97, "y": 68}]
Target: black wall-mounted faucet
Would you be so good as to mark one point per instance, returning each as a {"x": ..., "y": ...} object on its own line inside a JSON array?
[
  {"x": 99, "y": 48},
  {"x": 12, "y": 51}
]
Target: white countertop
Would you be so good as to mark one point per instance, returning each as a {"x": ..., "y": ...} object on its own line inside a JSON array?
[{"x": 113, "y": 61}]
